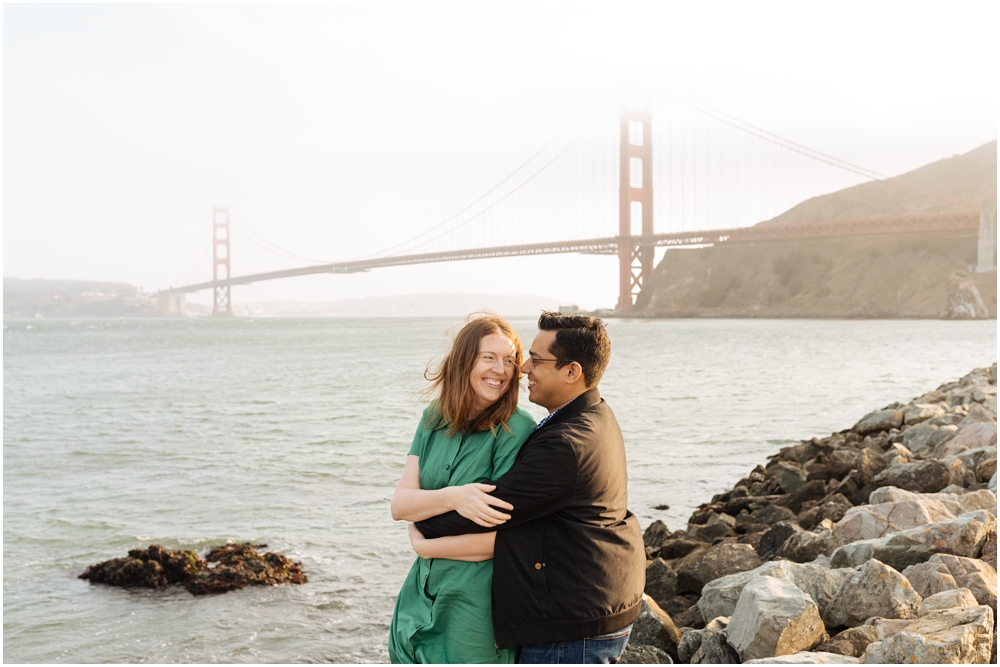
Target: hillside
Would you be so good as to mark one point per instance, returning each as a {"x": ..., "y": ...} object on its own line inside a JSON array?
[
  {"x": 74, "y": 298},
  {"x": 971, "y": 177},
  {"x": 888, "y": 276}
]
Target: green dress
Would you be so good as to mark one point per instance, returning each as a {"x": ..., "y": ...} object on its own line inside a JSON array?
[{"x": 442, "y": 614}]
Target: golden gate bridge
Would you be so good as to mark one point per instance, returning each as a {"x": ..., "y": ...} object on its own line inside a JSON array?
[{"x": 719, "y": 176}]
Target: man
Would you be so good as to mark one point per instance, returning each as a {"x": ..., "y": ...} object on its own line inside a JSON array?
[{"x": 569, "y": 565}]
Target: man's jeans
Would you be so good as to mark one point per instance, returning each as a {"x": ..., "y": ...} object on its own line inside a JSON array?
[{"x": 603, "y": 649}]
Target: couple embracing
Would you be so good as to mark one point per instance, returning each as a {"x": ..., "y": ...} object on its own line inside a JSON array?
[{"x": 527, "y": 551}]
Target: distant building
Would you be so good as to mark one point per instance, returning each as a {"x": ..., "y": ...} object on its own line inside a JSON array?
[{"x": 569, "y": 310}]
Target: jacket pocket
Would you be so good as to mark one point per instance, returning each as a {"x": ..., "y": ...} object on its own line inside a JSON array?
[{"x": 538, "y": 567}]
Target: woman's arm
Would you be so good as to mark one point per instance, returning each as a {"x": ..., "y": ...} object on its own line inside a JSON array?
[
  {"x": 471, "y": 548},
  {"x": 411, "y": 503}
]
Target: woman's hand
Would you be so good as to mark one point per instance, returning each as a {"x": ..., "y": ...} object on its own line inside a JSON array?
[
  {"x": 417, "y": 540},
  {"x": 474, "y": 503}
]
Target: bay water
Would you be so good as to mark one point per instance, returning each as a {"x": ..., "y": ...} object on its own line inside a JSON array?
[{"x": 193, "y": 432}]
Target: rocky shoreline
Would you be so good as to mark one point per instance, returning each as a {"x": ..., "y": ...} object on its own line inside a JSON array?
[{"x": 876, "y": 544}]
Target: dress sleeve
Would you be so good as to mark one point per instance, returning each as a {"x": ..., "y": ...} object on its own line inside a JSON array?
[
  {"x": 508, "y": 443},
  {"x": 420, "y": 437}
]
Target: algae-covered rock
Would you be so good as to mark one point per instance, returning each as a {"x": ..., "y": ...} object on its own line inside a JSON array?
[{"x": 236, "y": 566}]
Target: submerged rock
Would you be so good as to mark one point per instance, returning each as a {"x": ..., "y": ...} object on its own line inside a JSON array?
[{"x": 237, "y": 566}]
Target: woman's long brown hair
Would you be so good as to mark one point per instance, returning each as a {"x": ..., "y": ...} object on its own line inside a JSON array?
[{"x": 450, "y": 381}]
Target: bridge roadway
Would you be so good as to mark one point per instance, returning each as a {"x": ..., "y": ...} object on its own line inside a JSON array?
[{"x": 965, "y": 221}]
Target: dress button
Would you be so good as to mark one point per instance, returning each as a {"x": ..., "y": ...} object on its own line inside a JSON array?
[
  {"x": 538, "y": 566},
  {"x": 447, "y": 466}
]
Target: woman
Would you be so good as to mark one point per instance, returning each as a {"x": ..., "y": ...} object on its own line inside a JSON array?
[{"x": 469, "y": 435}]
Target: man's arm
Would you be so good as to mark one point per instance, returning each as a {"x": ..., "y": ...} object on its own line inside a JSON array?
[{"x": 538, "y": 484}]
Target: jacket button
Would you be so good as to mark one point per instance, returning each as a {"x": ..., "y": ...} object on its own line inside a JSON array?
[{"x": 538, "y": 566}]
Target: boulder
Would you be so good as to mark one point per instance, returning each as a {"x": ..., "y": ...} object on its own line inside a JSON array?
[
  {"x": 655, "y": 535},
  {"x": 970, "y": 435},
  {"x": 717, "y": 561},
  {"x": 775, "y": 536},
  {"x": 791, "y": 476},
  {"x": 690, "y": 618},
  {"x": 954, "y": 503},
  {"x": 875, "y": 589},
  {"x": 958, "y": 474},
  {"x": 973, "y": 574},
  {"x": 947, "y": 636},
  {"x": 806, "y": 658},
  {"x": 880, "y": 420},
  {"x": 661, "y": 581},
  {"x": 930, "y": 578},
  {"x": 833, "y": 507},
  {"x": 962, "y": 536},
  {"x": 887, "y": 627},
  {"x": 691, "y": 639},
  {"x": 719, "y": 597},
  {"x": 897, "y": 453},
  {"x": 841, "y": 462},
  {"x": 715, "y": 650},
  {"x": 988, "y": 553},
  {"x": 711, "y": 531},
  {"x": 957, "y": 598},
  {"x": 986, "y": 469},
  {"x": 814, "y": 490},
  {"x": 851, "y": 642},
  {"x": 772, "y": 514},
  {"x": 638, "y": 654},
  {"x": 772, "y": 618},
  {"x": 655, "y": 628},
  {"x": 919, "y": 412},
  {"x": 927, "y": 476},
  {"x": 869, "y": 463},
  {"x": 678, "y": 547},
  {"x": 867, "y": 522},
  {"x": 806, "y": 546},
  {"x": 917, "y": 439}
]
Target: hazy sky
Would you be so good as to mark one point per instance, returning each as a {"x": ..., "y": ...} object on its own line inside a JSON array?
[{"x": 334, "y": 130}]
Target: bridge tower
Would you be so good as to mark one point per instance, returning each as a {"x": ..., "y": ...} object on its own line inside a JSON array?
[
  {"x": 635, "y": 205},
  {"x": 222, "y": 304}
]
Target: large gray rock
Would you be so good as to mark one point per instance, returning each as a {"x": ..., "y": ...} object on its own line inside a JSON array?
[
  {"x": 851, "y": 642},
  {"x": 880, "y": 420},
  {"x": 691, "y": 639},
  {"x": 867, "y": 522},
  {"x": 805, "y": 546},
  {"x": 948, "y": 636},
  {"x": 806, "y": 658},
  {"x": 791, "y": 476},
  {"x": 719, "y": 597},
  {"x": 661, "y": 581},
  {"x": 715, "y": 650},
  {"x": 986, "y": 469},
  {"x": 718, "y": 561},
  {"x": 927, "y": 476},
  {"x": 640, "y": 654},
  {"x": 773, "y": 617},
  {"x": 973, "y": 574},
  {"x": 919, "y": 412},
  {"x": 917, "y": 438},
  {"x": 930, "y": 578},
  {"x": 958, "y": 598},
  {"x": 875, "y": 589},
  {"x": 962, "y": 536},
  {"x": 655, "y": 628},
  {"x": 955, "y": 503},
  {"x": 972, "y": 435}
]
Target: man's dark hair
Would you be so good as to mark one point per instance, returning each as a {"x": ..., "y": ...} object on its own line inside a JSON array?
[{"x": 579, "y": 338}]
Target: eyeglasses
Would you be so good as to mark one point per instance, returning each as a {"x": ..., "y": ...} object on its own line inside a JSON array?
[{"x": 539, "y": 360}]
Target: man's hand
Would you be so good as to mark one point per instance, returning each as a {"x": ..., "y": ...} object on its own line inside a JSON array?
[{"x": 474, "y": 503}]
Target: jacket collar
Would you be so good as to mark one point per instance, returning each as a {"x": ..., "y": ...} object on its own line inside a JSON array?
[{"x": 587, "y": 399}]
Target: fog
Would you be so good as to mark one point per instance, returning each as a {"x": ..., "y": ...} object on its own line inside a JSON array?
[{"x": 334, "y": 131}]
